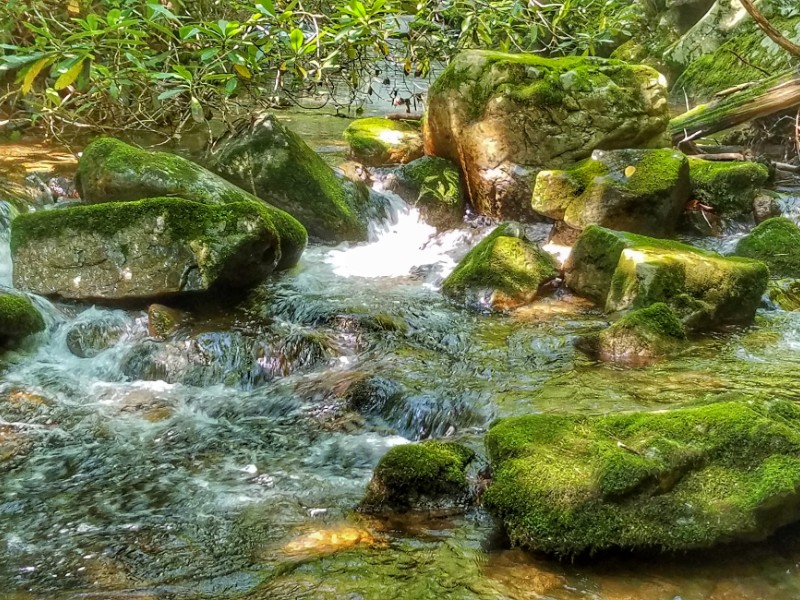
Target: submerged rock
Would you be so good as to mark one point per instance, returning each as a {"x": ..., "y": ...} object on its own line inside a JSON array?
[
  {"x": 112, "y": 171},
  {"x": 503, "y": 271},
  {"x": 163, "y": 320},
  {"x": 272, "y": 162},
  {"x": 160, "y": 247},
  {"x": 87, "y": 339},
  {"x": 728, "y": 187},
  {"x": 642, "y": 191},
  {"x": 621, "y": 271},
  {"x": 375, "y": 141},
  {"x": 504, "y": 117},
  {"x": 785, "y": 293},
  {"x": 428, "y": 475},
  {"x": 776, "y": 242},
  {"x": 433, "y": 185},
  {"x": 640, "y": 336},
  {"x": 19, "y": 318},
  {"x": 670, "y": 480}
]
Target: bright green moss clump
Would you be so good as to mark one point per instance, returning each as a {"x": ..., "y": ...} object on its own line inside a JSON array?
[
  {"x": 672, "y": 480},
  {"x": 776, "y": 242},
  {"x": 419, "y": 476},
  {"x": 19, "y": 318},
  {"x": 433, "y": 184},
  {"x": 728, "y": 187},
  {"x": 508, "y": 267},
  {"x": 785, "y": 293},
  {"x": 375, "y": 141}
]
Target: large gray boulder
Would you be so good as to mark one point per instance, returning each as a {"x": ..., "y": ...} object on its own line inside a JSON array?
[
  {"x": 504, "y": 117},
  {"x": 154, "y": 248}
]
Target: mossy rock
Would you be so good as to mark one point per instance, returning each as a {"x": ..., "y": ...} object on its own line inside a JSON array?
[
  {"x": 671, "y": 480},
  {"x": 642, "y": 191},
  {"x": 776, "y": 242},
  {"x": 728, "y": 187},
  {"x": 623, "y": 271},
  {"x": 375, "y": 141},
  {"x": 19, "y": 318},
  {"x": 503, "y": 271},
  {"x": 433, "y": 185},
  {"x": 745, "y": 55},
  {"x": 274, "y": 163},
  {"x": 785, "y": 293},
  {"x": 640, "y": 336},
  {"x": 430, "y": 475},
  {"x": 505, "y": 117},
  {"x": 159, "y": 247},
  {"x": 162, "y": 321},
  {"x": 112, "y": 171}
]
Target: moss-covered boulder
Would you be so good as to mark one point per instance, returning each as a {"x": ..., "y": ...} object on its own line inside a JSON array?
[
  {"x": 375, "y": 141},
  {"x": 643, "y": 191},
  {"x": 112, "y": 171},
  {"x": 272, "y": 162},
  {"x": 504, "y": 117},
  {"x": 776, "y": 242},
  {"x": 429, "y": 475},
  {"x": 159, "y": 247},
  {"x": 503, "y": 271},
  {"x": 672, "y": 480},
  {"x": 639, "y": 337},
  {"x": 728, "y": 187},
  {"x": 621, "y": 271},
  {"x": 785, "y": 293},
  {"x": 163, "y": 321},
  {"x": 433, "y": 185},
  {"x": 19, "y": 318}
]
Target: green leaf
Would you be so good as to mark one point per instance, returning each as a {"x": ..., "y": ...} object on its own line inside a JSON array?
[
  {"x": 296, "y": 39},
  {"x": 197, "y": 110},
  {"x": 171, "y": 93},
  {"x": 266, "y": 7},
  {"x": 68, "y": 77},
  {"x": 33, "y": 72}
]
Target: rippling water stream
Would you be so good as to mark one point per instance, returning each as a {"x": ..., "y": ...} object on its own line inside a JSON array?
[{"x": 225, "y": 462}]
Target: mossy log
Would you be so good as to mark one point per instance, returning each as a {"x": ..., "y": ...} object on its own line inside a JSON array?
[{"x": 765, "y": 98}]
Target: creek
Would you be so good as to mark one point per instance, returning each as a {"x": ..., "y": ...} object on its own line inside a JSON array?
[{"x": 226, "y": 462}]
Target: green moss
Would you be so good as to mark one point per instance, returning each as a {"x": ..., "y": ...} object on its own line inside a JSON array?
[
  {"x": 501, "y": 262},
  {"x": 672, "y": 480},
  {"x": 183, "y": 219},
  {"x": 722, "y": 68},
  {"x": 412, "y": 472},
  {"x": 776, "y": 242},
  {"x": 728, "y": 187},
  {"x": 376, "y": 141},
  {"x": 657, "y": 319},
  {"x": 785, "y": 293},
  {"x": 275, "y": 164},
  {"x": 112, "y": 171},
  {"x": 19, "y": 318},
  {"x": 435, "y": 187}
]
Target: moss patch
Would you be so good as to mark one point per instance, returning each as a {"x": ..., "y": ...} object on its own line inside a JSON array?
[
  {"x": 672, "y": 480},
  {"x": 776, "y": 242},
  {"x": 413, "y": 475},
  {"x": 728, "y": 187},
  {"x": 433, "y": 184},
  {"x": 19, "y": 318},
  {"x": 503, "y": 263},
  {"x": 785, "y": 293},
  {"x": 375, "y": 141}
]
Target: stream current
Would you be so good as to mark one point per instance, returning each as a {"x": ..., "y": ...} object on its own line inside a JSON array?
[{"x": 226, "y": 461}]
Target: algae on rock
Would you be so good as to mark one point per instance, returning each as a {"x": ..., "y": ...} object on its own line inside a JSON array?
[
  {"x": 273, "y": 163},
  {"x": 728, "y": 187},
  {"x": 19, "y": 318},
  {"x": 775, "y": 242},
  {"x": 504, "y": 117},
  {"x": 669, "y": 480},
  {"x": 375, "y": 141},
  {"x": 503, "y": 271},
  {"x": 433, "y": 185},
  {"x": 641, "y": 191},
  {"x": 621, "y": 270},
  {"x": 428, "y": 475}
]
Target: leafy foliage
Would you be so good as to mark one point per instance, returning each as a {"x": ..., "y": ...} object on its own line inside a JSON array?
[{"x": 115, "y": 64}]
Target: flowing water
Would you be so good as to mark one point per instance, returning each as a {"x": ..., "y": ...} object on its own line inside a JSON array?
[{"x": 226, "y": 461}]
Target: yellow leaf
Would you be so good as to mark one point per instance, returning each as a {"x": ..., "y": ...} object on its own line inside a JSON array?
[
  {"x": 33, "y": 73},
  {"x": 73, "y": 7},
  {"x": 629, "y": 171},
  {"x": 242, "y": 71},
  {"x": 68, "y": 78}
]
